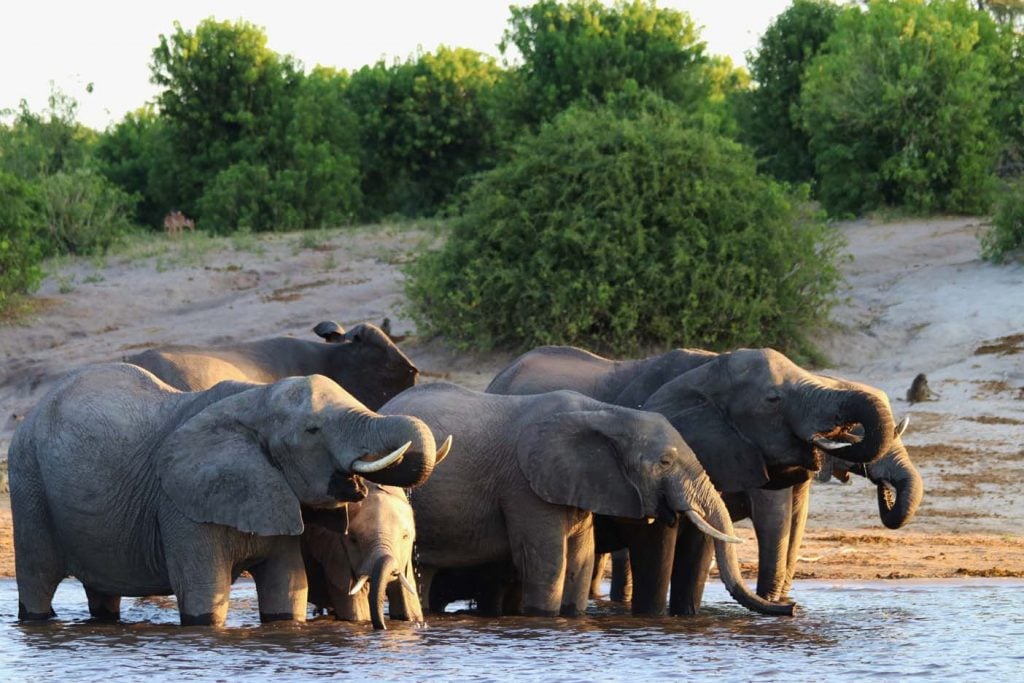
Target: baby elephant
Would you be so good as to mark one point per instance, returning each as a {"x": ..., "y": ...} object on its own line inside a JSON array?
[
  {"x": 527, "y": 472},
  {"x": 138, "y": 489},
  {"x": 351, "y": 572}
]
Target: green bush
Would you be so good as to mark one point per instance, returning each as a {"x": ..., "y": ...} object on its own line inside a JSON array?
[
  {"x": 83, "y": 212},
  {"x": 898, "y": 107},
  {"x": 19, "y": 253},
  {"x": 620, "y": 231},
  {"x": 1007, "y": 231}
]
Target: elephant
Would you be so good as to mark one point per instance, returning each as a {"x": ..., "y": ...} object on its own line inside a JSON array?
[
  {"x": 138, "y": 489},
  {"x": 363, "y": 360},
  {"x": 759, "y": 424},
  {"x": 350, "y": 572},
  {"x": 527, "y": 474}
]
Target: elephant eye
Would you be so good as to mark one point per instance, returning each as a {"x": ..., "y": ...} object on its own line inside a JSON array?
[
  {"x": 668, "y": 456},
  {"x": 773, "y": 398},
  {"x": 312, "y": 430}
]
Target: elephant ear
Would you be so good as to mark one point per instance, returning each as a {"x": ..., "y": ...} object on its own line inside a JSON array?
[
  {"x": 224, "y": 476},
  {"x": 572, "y": 458},
  {"x": 690, "y": 402}
]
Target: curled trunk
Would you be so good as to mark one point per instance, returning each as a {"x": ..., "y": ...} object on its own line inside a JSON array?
[
  {"x": 382, "y": 574},
  {"x": 896, "y": 470},
  {"x": 870, "y": 409}
]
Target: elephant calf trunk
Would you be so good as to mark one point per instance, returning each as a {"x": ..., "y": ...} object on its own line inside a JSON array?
[{"x": 383, "y": 573}]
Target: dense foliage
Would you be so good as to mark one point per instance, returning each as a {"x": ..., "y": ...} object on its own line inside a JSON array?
[
  {"x": 583, "y": 49},
  {"x": 898, "y": 107},
  {"x": 1007, "y": 231},
  {"x": 619, "y": 231},
  {"x": 20, "y": 253},
  {"x": 424, "y": 124},
  {"x": 770, "y": 117}
]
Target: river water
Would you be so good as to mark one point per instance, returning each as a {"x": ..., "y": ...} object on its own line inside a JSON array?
[{"x": 962, "y": 630}]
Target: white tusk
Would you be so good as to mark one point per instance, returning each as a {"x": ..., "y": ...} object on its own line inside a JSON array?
[
  {"x": 443, "y": 450},
  {"x": 650, "y": 520},
  {"x": 902, "y": 427},
  {"x": 711, "y": 531},
  {"x": 829, "y": 444},
  {"x": 366, "y": 467},
  {"x": 359, "y": 585},
  {"x": 407, "y": 584}
]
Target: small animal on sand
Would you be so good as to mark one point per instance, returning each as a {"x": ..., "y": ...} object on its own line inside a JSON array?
[{"x": 919, "y": 390}]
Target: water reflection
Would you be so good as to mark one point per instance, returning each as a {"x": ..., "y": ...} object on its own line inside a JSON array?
[{"x": 944, "y": 629}]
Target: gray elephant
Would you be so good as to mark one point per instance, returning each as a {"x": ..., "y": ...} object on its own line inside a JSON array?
[
  {"x": 526, "y": 474},
  {"x": 351, "y": 572},
  {"x": 138, "y": 489},
  {"x": 759, "y": 424},
  {"x": 363, "y": 360}
]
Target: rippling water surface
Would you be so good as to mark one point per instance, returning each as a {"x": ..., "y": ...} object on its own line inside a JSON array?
[{"x": 961, "y": 630}]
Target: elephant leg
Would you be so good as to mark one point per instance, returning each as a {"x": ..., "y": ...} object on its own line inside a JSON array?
[
  {"x": 579, "y": 568},
  {"x": 801, "y": 504},
  {"x": 690, "y": 565},
  {"x": 539, "y": 554},
  {"x": 601, "y": 564},
  {"x": 281, "y": 584},
  {"x": 102, "y": 606},
  {"x": 431, "y": 603},
  {"x": 622, "y": 577},
  {"x": 771, "y": 511},
  {"x": 202, "y": 592},
  {"x": 651, "y": 550},
  {"x": 38, "y": 565}
]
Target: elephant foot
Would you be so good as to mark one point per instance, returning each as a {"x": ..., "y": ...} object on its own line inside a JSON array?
[
  {"x": 539, "y": 612},
  {"x": 25, "y": 615},
  {"x": 268, "y": 617}
]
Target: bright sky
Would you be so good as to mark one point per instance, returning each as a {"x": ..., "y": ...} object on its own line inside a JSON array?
[{"x": 109, "y": 42}]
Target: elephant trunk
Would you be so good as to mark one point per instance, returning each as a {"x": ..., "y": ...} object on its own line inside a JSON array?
[
  {"x": 728, "y": 563},
  {"x": 895, "y": 469},
  {"x": 868, "y": 407},
  {"x": 417, "y": 460},
  {"x": 382, "y": 574}
]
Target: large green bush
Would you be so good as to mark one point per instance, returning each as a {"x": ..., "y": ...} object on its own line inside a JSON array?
[
  {"x": 20, "y": 254},
  {"x": 620, "y": 231},
  {"x": 82, "y": 212},
  {"x": 898, "y": 107}
]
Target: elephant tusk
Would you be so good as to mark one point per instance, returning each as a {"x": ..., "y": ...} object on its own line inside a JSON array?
[
  {"x": 443, "y": 449},
  {"x": 407, "y": 584},
  {"x": 366, "y": 467},
  {"x": 359, "y": 584},
  {"x": 901, "y": 427},
  {"x": 829, "y": 444},
  {"x": 711, "y": 531}
]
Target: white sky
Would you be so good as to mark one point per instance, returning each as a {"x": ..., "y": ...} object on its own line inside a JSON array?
[{"x": 109, "y": 42}]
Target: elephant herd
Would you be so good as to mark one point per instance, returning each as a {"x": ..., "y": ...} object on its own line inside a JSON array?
[{"x": 318, "y": 467}]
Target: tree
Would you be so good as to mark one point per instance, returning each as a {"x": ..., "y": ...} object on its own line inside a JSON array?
[
  {"x": 769, "y": 118},
  {"x": 424, "y": 124},
  {"x": 898, "y": 107},
  {"x": 618, "y": 230},
  {"x": 582, "y": 49}
]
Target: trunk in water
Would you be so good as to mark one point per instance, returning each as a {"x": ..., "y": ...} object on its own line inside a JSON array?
[
  {"x": 729, "y": 570},
  {"x": 896, "y": 470},
  {"x": 380, "y": 577}
]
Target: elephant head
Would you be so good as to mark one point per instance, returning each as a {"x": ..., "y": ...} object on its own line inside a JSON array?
[
  {"x": 353, "y": 570},
  {"x": 250, "y": 460},
  {"x": 629, "y": 463},
  {"x": 756, "y": 419},
  {"x": 364, "y": 347}
]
